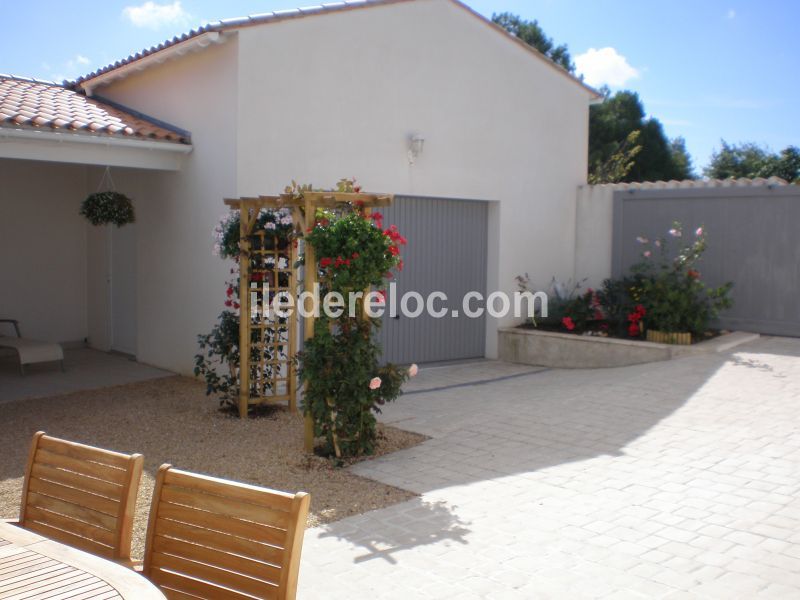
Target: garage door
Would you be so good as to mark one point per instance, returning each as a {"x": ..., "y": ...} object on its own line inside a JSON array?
[{"x": 446, "y": 252}]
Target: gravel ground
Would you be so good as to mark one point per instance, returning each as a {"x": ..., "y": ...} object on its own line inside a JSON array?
[{"x": 171, "y": 420}]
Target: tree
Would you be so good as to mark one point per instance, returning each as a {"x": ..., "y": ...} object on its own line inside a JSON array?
[
  {"x": 751, "y": 160},
  {"x": 610, "y": 124},
  {"x": 532, "y": 34},
  {"x": 681, "y": 157},
  {"x": 620, "y": 163}
]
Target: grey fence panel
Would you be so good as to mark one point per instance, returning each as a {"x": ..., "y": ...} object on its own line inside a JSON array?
[
  {"x": 447, "y": 245},
  {"x": 753, "y": 241}
]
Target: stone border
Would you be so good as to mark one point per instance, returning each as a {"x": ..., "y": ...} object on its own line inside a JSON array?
[{"x": 569, "y": 351}]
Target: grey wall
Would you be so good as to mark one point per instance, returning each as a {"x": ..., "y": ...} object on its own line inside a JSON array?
[
  {"x": 752, "y": 238},
  {"x": 447, "y": 246}
]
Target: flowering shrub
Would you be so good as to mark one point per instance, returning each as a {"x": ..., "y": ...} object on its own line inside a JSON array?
[
  {"x": 340, "y": 364},
  {"x": 226, "y": 233},
  {"x": 218, "y": 359},
  {"x": 664, "y": 292},
  {"x": 672, "y": 289}
]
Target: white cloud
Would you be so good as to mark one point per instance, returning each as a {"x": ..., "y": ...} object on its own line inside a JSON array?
[
  {"x": 731, "y": 14},
  {"x": 605, "y": 66},
  {"x": 82, "y": 60},
  {"x": 155, "y": 16}
]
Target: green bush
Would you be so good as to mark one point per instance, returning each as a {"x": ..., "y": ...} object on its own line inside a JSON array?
[{"x": 672, "y": 289}]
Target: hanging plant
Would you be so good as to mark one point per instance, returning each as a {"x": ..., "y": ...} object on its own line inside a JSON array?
[{"x": 102, "y": 208}]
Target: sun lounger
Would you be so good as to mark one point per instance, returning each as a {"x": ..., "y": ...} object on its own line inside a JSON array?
[{"x": 31, "y": 351}]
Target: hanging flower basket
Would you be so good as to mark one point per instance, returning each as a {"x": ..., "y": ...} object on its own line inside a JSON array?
[{"x": 103, "y": 208}]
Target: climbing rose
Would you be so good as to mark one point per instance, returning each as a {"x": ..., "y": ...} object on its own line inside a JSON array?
[
  {"x": 633, "y": 329},
  {"x": 675, "y": 232},
  {"x": 325, "y": 262},
  {"x": 374, "y": 383},
  {"x": 646, "y": 253},
  {"x": 568, "y": 323},
  {"x": 699, "y": 231}
]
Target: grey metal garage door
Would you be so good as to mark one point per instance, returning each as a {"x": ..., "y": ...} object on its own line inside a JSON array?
[{"x": 446, "y": 252}]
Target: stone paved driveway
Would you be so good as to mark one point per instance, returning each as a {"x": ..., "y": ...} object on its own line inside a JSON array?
[{"x": 672, "y": 480}]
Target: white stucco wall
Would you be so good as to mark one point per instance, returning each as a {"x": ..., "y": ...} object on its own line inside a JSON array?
[
  {"x": 594, "y": 225},
  {"x": 338, "y": 95},
  {"x": 180, "y": 284},
  {"x": 43, "y": 249}
]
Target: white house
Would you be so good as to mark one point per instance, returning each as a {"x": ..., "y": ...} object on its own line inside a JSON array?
[{"x": 241, "y": 107}]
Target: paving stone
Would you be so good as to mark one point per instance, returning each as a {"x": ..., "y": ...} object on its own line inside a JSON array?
[{"x": 669, "y": 480}]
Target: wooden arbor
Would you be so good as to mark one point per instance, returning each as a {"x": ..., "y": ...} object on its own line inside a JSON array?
[{"x": 275, "y": 379}]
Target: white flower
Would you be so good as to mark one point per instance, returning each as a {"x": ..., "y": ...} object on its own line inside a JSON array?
[
  {"x": 269, "y": 225},
  {"x": 646, "y": 253},
  {"x": 675, "y": 232},
  {"x": 658, "y": 243},
  {"x": 413, "y": 370},
  {"x": 642, "y": 240}
]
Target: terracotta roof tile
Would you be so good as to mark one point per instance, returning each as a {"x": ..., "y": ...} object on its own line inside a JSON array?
[{"x": 32, "y": 103}]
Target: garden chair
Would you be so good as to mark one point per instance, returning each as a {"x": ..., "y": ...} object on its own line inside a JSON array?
[
  {"x": 30, "y": 351},
  {"x": 212, "y": 538},
  {"x": 81, "y": 496}
]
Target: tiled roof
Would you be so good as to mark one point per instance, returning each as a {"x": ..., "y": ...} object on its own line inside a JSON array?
[
  {"x": 45, "y": 105},
  {"x": 692, "y": 183}
]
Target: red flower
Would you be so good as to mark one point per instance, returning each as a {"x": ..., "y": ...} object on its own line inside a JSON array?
[
  {"x": 568, "y": 323},
  {"x": 229, "y": 291},
  {"x": 598, "y": 315},
  {"x": 236, "y": 305},
  {"x": 640, "y": 310},
  {"x": 693, "y": 274},
  {"x": 394, "y": 250},
  {"x": 347, "y": 261},
  {"x": 339, "y": 262},
  {"x": 356, "y": 255},
  {"x": 228, "y": 303},
  {"x": 357, "y": 189},
  {"x": 257, "y": 277},
  {"x": 325, "y": 262},
  {"x": 382, "y": 294},
  {"x": 388, "y": 275},
  {"x": 400, "y": 265},
  {"x": 633, "y": 329},
  {"x": 634, "y": 317}
]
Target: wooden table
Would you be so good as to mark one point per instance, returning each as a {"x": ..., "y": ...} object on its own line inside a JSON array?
[{"x": 32, "y": 566}]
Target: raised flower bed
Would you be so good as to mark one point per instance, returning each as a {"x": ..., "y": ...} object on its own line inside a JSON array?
[
  {"x": 663, "y": 300},
  {"x": 568, "y": 351}
]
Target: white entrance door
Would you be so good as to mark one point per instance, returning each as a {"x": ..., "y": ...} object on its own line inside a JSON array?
[{"x": 123, "y": 289}]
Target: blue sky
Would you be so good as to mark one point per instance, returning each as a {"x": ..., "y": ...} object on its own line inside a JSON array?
[{"x": 707, "y": 69}]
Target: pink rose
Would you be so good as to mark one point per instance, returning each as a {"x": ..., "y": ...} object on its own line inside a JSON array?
[
  {"x": 374, "y": 383},
  {"x": 413, "y": 370},
  {"x": 699, "y": 231}
]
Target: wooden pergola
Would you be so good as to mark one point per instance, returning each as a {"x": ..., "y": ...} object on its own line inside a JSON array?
[{"x": 303, "y": 206}]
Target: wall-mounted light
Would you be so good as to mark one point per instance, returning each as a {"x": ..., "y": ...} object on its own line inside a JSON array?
[{"x": 415, "y": 145}]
